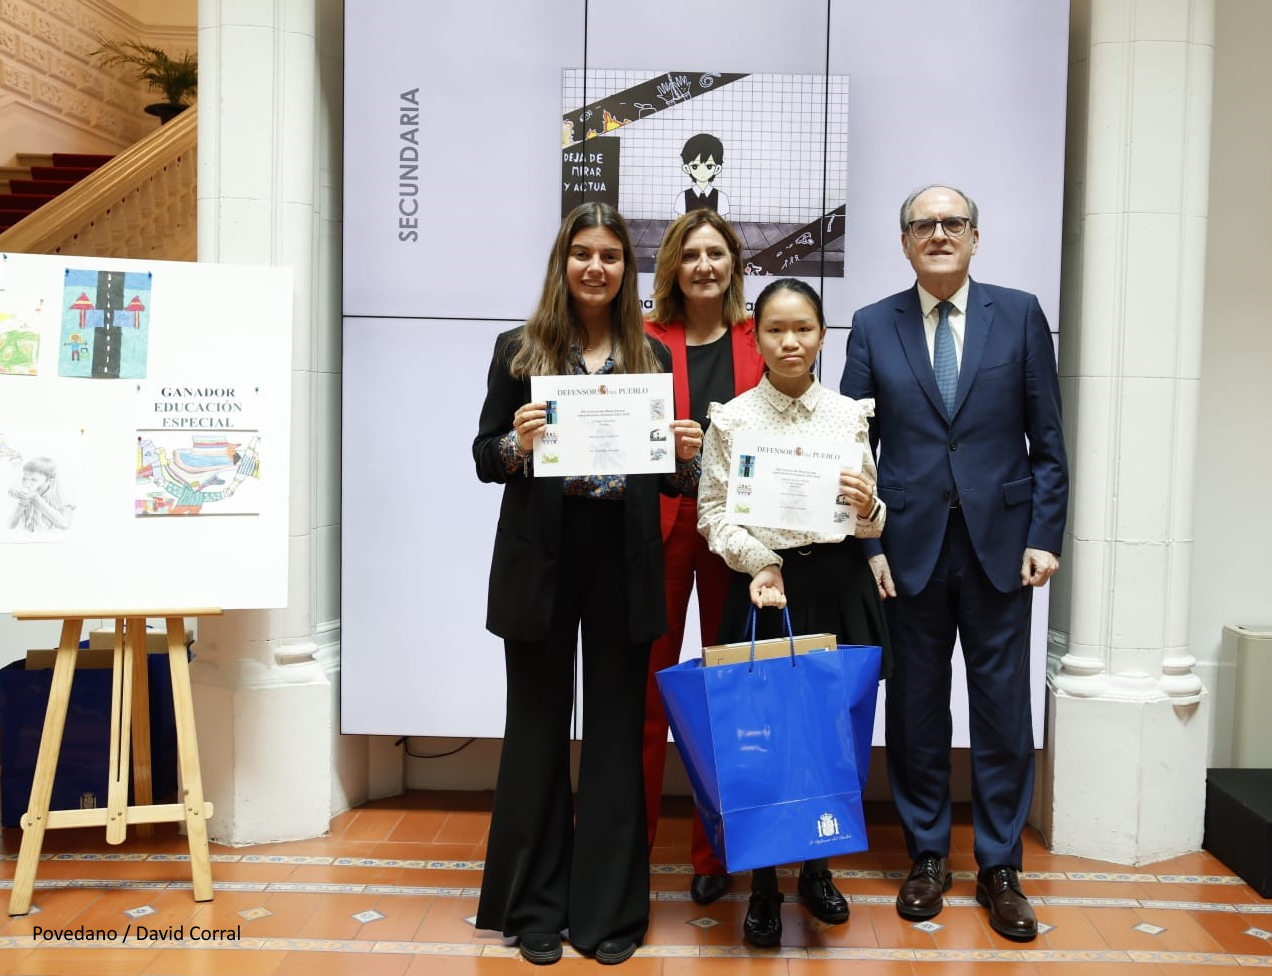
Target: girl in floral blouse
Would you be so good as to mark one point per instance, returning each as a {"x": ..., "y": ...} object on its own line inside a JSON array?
[{"x": 824, "y": 574}]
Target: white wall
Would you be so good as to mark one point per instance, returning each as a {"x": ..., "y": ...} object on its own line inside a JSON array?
[{"x": 1231, "y": 579}]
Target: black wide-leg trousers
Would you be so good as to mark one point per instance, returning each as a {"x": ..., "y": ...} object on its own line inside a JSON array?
[{"x": 550, "y": 866}]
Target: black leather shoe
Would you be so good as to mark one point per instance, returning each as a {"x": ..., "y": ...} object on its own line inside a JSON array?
[
  {"x": 540, "y": 948},
  {"x": 920, "y": 896},
  {"x": 613, "y": 951},
  {"x": 762, "y": 926},
  {"x": 1010, "y": 914},
  {"x": 706, "y": 888},
  {"x": 822, "y": 898}
]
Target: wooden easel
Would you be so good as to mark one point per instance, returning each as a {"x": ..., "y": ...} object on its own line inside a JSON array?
[{"x": 129, "y": 728}]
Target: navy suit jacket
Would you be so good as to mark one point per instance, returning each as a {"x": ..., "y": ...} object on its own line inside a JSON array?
[{"x": 1002, "y": 451}]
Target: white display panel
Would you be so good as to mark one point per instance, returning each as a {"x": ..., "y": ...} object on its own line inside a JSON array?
[
  {"x": 417, "y": 532},
  {"x": 970, "y": 93},
  {"x": 160, "y": 402}
]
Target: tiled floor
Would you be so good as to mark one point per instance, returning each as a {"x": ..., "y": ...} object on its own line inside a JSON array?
[{"x": 391, "y": 892}]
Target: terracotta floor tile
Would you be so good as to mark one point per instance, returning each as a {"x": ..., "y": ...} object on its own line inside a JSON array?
[
  {"x": 214, "y": 962},
  {"x": 343, "y": 874},
  {"x": 756, "y": 965},
  {"x": 62, "y": 905},
  {"x": 445, "y": 921},
  {"x": 893, "y": 931},
  {"x": 1225, "y": 893},
  {"x": 340, "y": 822},
  {"x": 342, "y": 964},
  {"x": 1183, "y": 932},
  {"x": 1229, "y": 930},
  {"x": 421, "y": 826},
  {"x": 58, "y": 961},
  {"x": 977, "y": 968},
  {"x": 430, "y": 852},
  {"x": 464, "y": 827},
  {"x": 289, "y": 911},
  {"x": 402, "y": 915},
  {"x": 963, "y": 928},
  {"x": 1121, "y": 968},
  {"x": 840, "y": 967},
  {"x": 1072, "y": 928},
  {"x": 372, "y": 824},
  {"x": 333, "y": 918},
  {"x": 472, "y": 966},
  {"x": 14, "y": 962}
]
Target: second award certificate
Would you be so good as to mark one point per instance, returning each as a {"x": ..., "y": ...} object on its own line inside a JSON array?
[
  {"x": 610, "y": 423},
  {"x": 789, "y": 482}
]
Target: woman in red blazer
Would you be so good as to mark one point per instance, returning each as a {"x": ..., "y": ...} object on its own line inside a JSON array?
[{"x": 700, "y": 316}]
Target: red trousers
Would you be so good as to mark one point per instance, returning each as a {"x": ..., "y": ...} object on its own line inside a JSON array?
[{"x": 687, "y": 560}]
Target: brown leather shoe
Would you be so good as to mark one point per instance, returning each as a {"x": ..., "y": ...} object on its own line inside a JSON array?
[
  {"x": 1010, "y": 914},
  {"x": 920, "y": 896}
]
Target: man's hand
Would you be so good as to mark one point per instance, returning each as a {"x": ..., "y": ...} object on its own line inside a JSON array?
[
  {"x": 883, "y": 576},
  {"x": 1037, "y": 566}
]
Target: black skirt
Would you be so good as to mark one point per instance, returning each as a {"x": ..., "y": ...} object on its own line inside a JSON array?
[{"x": 829, "y": 589}]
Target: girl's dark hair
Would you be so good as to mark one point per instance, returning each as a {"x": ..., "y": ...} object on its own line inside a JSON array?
[{"x": 799, "y": 287}]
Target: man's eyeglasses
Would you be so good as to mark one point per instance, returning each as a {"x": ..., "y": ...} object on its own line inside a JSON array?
[{"x": 921, "y": 230}]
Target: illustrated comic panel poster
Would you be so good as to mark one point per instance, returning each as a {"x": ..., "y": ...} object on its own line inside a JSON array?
[{"x": 768, "y": 151}]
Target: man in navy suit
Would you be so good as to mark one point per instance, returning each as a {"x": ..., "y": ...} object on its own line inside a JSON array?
[{"x": 972, "y": 467}]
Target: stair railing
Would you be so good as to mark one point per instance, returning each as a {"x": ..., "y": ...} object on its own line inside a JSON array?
[{"x": 143, "y": 203}]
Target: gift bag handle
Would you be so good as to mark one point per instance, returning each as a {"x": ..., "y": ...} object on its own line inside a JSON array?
[{"x": 790, "y": 633}]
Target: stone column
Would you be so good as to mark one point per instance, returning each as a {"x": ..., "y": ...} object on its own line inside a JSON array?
[
  {"x": 1126, "y": 724},
  {"x": 274, "y": 765}
]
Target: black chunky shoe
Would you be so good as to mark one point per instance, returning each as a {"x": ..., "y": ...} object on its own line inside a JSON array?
[
  {"x": 762, "y": 926},
  {"x": 822, "y": 898}
]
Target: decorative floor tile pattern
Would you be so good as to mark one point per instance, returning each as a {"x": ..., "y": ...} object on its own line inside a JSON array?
[{"x": 357, "y": 903}]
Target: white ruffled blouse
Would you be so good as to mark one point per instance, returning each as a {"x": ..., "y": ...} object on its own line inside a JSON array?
[{"x": 819, "y": 413}]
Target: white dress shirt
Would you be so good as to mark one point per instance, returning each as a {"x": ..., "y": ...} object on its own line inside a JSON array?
[{"x": 958, "y": 319}]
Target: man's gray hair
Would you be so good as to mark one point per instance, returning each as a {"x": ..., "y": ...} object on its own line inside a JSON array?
[{"x": 972, "y": 210}]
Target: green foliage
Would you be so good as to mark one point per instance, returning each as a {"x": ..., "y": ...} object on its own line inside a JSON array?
[{"x": 175, "y": 77}]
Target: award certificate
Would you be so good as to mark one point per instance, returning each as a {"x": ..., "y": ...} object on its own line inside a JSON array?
[
  {"x": 784, "y": 481},
  {"x": 608, "y": 423}
]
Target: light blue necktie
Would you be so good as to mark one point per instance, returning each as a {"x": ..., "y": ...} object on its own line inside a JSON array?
[{"x": 944, "y": 360}]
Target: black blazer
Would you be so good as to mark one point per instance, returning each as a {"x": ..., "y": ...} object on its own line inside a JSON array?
[{"x": 523, "y": 569}]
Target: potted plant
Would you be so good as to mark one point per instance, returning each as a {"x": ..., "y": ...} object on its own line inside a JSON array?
[{"x": 177, "y": 78}]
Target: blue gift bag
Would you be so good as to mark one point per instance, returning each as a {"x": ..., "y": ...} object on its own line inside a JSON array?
[{"x": 777, "y": 750}]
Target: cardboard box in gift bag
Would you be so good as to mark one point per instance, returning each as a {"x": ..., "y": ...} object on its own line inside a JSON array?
[
  {"x": 83, "y": 766},
  {"x": 736, "y": 653}
]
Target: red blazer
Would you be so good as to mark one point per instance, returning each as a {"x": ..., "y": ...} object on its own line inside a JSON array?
[{"x": 748, "y": 369}]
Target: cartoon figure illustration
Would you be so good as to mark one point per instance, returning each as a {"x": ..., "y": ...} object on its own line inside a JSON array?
[
  {"x": 40, "y": 504},
  {"x": 76, "y": 343},
  {"x": 210, "y": 470},
  {"x": 703, "y": 159}
]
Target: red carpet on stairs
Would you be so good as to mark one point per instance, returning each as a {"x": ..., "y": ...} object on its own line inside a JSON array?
[{"x": 46, "y": 182}]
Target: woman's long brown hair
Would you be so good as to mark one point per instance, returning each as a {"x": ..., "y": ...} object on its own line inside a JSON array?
[{"x": 553, "y": 329}]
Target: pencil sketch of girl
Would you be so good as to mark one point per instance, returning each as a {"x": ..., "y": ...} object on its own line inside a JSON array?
[{"x": 39, "y": 502}]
